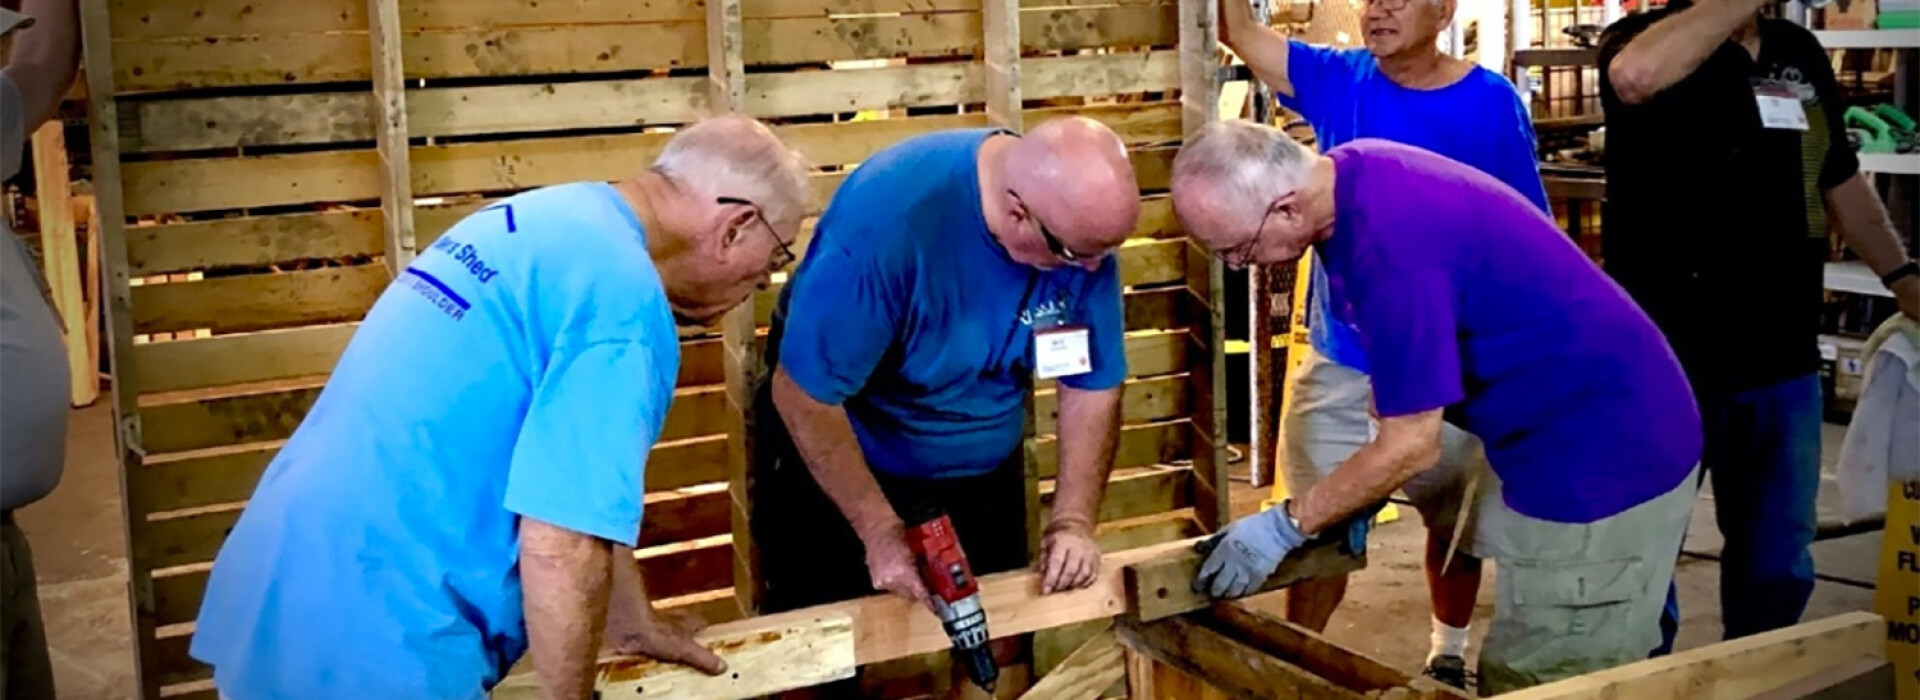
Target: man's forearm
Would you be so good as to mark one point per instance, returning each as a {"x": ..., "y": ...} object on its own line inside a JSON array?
[
  {"x": 1864, "y": 224},
  {"x": 1262, "y": 48},
  {"x": 628, "y": 598},
  {"x": 825, "y": 439},
  {"x": 564, "y": 578},
  {"x": 1672, "y": 48},
  {"x": 45, "y": 58},
  {"x": 1089, "y": 428},
  {"x": 1369, "y": 476}
]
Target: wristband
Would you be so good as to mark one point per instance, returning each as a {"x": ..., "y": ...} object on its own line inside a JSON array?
[{"x": 1911, "y": 268}]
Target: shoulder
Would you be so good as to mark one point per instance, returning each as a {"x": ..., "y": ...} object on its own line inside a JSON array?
[
  {"x": 1800, "y": 40},
  {"x": 1340, "y": 58},
  {"x": 1628, "y": 27}
]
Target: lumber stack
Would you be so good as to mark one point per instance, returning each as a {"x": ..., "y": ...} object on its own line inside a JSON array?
[{"x": 269, "y": 171}]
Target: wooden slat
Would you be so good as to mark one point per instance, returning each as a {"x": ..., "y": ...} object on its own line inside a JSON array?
[
  {"x": 242, "y": 358},
  {"x": 256, "y": 302},
  {"x": 175, "y": 63},
  {"x": 674, "y": 517},
  {"x": 148, "y": 19},
  {"x": 174, "y": 665},
  {"x": 273, "y": 414},
  {"x": 230, "y": 183},
  {"x": 1147, "y": 400},
  {"x": 1137, "y": 492},
  {"x": 229, "y": 477},
  {"x": 254, "y": 120},
  {"x": 1141, "y": 445},
  {"x": 255, "y": 240},
  {"x": 1226, "y": 663},
  {"x": 390, "y": 133},
  {"x": 1148, "y": 354}
]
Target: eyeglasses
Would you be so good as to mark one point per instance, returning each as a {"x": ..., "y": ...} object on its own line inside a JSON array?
[
  {"x": 782, "y": 256},
  {"x": 1388, "y": 5},
  {"x": 1236, "y": 257},
  {"x": 1059, "y": 249}
]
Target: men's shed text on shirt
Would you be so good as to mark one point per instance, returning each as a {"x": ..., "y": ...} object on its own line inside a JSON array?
[{"x": 467, "y": 256}]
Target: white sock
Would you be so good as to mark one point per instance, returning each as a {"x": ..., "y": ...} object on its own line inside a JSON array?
[{"x": 1447, "y": 641}]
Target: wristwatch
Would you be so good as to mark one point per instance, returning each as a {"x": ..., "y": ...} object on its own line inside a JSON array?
[
  {"x": 1911, "y": 268},
  {"x": 1286, "y": 511}
]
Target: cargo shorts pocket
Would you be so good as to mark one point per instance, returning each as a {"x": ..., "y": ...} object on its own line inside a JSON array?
[
  {"x": 1575, "y": 597},
  {"x": 1562, "y": 619}
]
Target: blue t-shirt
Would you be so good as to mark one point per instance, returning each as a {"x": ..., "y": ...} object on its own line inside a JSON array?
[
  {"x": 909, "y": 313},
  {"x": 1468, "y": 298},
  {"x": 520, "y": 366},
  {"x": 1478, "y": 121}
]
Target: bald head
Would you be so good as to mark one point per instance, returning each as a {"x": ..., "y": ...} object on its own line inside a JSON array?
[
  {"x": 737, "y": 156},
  {"x": 1074, "y": 174}
]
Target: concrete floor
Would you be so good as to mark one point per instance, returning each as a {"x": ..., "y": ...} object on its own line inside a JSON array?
[{"x": 80, "y": 556}]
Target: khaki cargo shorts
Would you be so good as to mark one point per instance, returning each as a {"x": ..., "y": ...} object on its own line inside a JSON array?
[
  {"x": 1575, "y": 598},
  {"x": 1331, "y": 416}
]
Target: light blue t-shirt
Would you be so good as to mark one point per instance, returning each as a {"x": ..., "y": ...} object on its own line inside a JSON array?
[
  {"x": 1478, "y": 121},
  {"x": 521, "y": 366},
  {"x": 908, "y": 311}
]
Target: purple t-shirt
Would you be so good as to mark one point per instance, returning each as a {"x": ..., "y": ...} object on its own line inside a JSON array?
[{"x": 1468, "y": 298}]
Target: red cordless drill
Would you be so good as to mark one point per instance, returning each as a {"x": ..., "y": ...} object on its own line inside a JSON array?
[{"x": 956, "y": 595}]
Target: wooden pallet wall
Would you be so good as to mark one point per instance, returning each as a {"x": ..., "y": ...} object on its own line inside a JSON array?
[{"x": 283, "y": 164}]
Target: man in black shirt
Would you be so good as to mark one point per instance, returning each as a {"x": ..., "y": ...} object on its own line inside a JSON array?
[{"x": 1727, "y": 160}]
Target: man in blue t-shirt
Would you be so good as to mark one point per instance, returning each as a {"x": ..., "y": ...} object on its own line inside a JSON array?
[
  {"x": 1473, "y": 308},
  {"x": 949, "y": 272},
  {"x": 1402, "y": 88},
  {"x": 474, "y": 467}
]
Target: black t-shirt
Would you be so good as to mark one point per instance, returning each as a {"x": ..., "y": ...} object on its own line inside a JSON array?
[{"x": 1716, "y": 224}]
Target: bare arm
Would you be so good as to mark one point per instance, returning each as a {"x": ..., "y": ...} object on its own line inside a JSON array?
[
  {"x": 1864, "y": 225},
  {"x": 825, "y": 439},
  {"x": 45, "y": 58},
  {"x": 1672, "y": 48},
  {"x": 1406, "y": 446},
  {"x": 1089, "y": 428},
  {"x": 564, "y": 579},
  {"x": 1263, "y": 48},
  {"x": 633, "y": 627}
]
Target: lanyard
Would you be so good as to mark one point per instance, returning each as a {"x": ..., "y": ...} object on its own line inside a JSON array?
[{"x": 1033, "y": 278}]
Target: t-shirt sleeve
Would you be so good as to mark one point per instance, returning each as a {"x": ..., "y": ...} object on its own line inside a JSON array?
[
  {"x": 841, "y": 318},
  {"x": 580, "y": 459},
  {"x": 1107, "y": 326},
  {"x": 1408, "y": 328},
  {"x": 1318, "y": 75},
  {"x": 1516, "y": 159},
  {"x": 1841, "y": 164}
]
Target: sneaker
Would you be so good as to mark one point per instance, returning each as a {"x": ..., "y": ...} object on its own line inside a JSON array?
[{"x": 1451, "y": 670}]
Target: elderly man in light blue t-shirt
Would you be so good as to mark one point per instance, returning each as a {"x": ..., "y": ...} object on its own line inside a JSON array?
[
  {"x": 474, "y": 468},
  {"x": 1399, "y": 87}
]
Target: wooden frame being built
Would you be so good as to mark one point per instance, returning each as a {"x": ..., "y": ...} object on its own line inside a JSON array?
[
  {"x": 273, "y": 170},
  {"x": 277, "y": 168}
]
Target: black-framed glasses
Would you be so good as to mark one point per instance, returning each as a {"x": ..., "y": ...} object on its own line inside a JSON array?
[
  {"x": 1236, "y": 256},
  {"x": 1388, "y": 5},
  {"x": 782, "y": 256},
  {"x": 1059, "y": 249}
]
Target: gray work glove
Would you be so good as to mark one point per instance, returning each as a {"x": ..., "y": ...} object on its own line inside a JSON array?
[{"x": 1241, "y": 557}]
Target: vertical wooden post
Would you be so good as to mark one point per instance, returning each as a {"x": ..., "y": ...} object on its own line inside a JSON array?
[
  {"x": 1000, "y": 26},
  {"x": 103, "y": 119},
  {"x": 1199, "y": 106},
  {"x": 390, "y": 132},
  {"x": 739, "y": 333},
  {"x": 62, "y": 256}
]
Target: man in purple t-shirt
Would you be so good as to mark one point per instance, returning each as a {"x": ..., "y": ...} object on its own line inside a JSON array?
[{"x": 1471, "y": 306}]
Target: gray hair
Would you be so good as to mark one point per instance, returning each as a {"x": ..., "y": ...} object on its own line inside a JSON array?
[
  {"x": 738, "y": 156},
  {"x": 1244, "y": 165}
]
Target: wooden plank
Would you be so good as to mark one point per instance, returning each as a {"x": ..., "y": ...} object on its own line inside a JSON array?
[
  {"x": 1086, "y": 673},
  {"x": 1865, "y": 678},
  {"x": 173, "y": 665},
  {"x": 1147, "y": 400},
  {"x": 675, "y": 517},
  {"x": 1136, "y": 493},
  {"x": 1274, "y": 635},
  {"x": 1226, "y": 663},
  {"x": 1000, "y": 36},
  {"x": 811, "y": 652},
  {"x": 241, "y": 358},
  {"x": 1739, "y": 668},
  {"x": 254, "y": 240},
  {"x": 390, "y": 133},
  {"x": 1141, "y": 445},
  {"x": 60, "y": 249},
  {"x": 158, "y": 187},
  {"x": 272, "y": 413},
  {"x": 195, "y": 123},
  {"x": 1164, "y": 587},
  {"x": 224, "y": 61},
  {"x": 259, "y": 302},
  {"x": 109, "y": 219}
]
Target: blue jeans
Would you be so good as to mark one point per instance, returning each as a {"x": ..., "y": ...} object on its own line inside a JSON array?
[{"x": 1763, "y": 454}]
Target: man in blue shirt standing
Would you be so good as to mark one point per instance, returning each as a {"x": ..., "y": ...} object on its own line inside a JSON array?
[
  {"x": 949, "y": 272},
  {"x": 467, "y": 487},
  {"x": 1402, "y": 88}
]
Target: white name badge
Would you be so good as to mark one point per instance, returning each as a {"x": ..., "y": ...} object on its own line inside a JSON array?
[
  {"x": 1781, "y": 112},
  {"x": 1061, "y": 352}
]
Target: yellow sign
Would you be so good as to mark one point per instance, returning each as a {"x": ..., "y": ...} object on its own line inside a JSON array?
[{"x": 1898, "y": 597}]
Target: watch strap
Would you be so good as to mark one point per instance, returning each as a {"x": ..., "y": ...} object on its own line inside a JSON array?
[{"x": 1911, "y": 268}]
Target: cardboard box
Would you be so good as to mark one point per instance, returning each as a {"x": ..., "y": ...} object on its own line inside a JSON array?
[{"x": 1850, "y": 14}]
